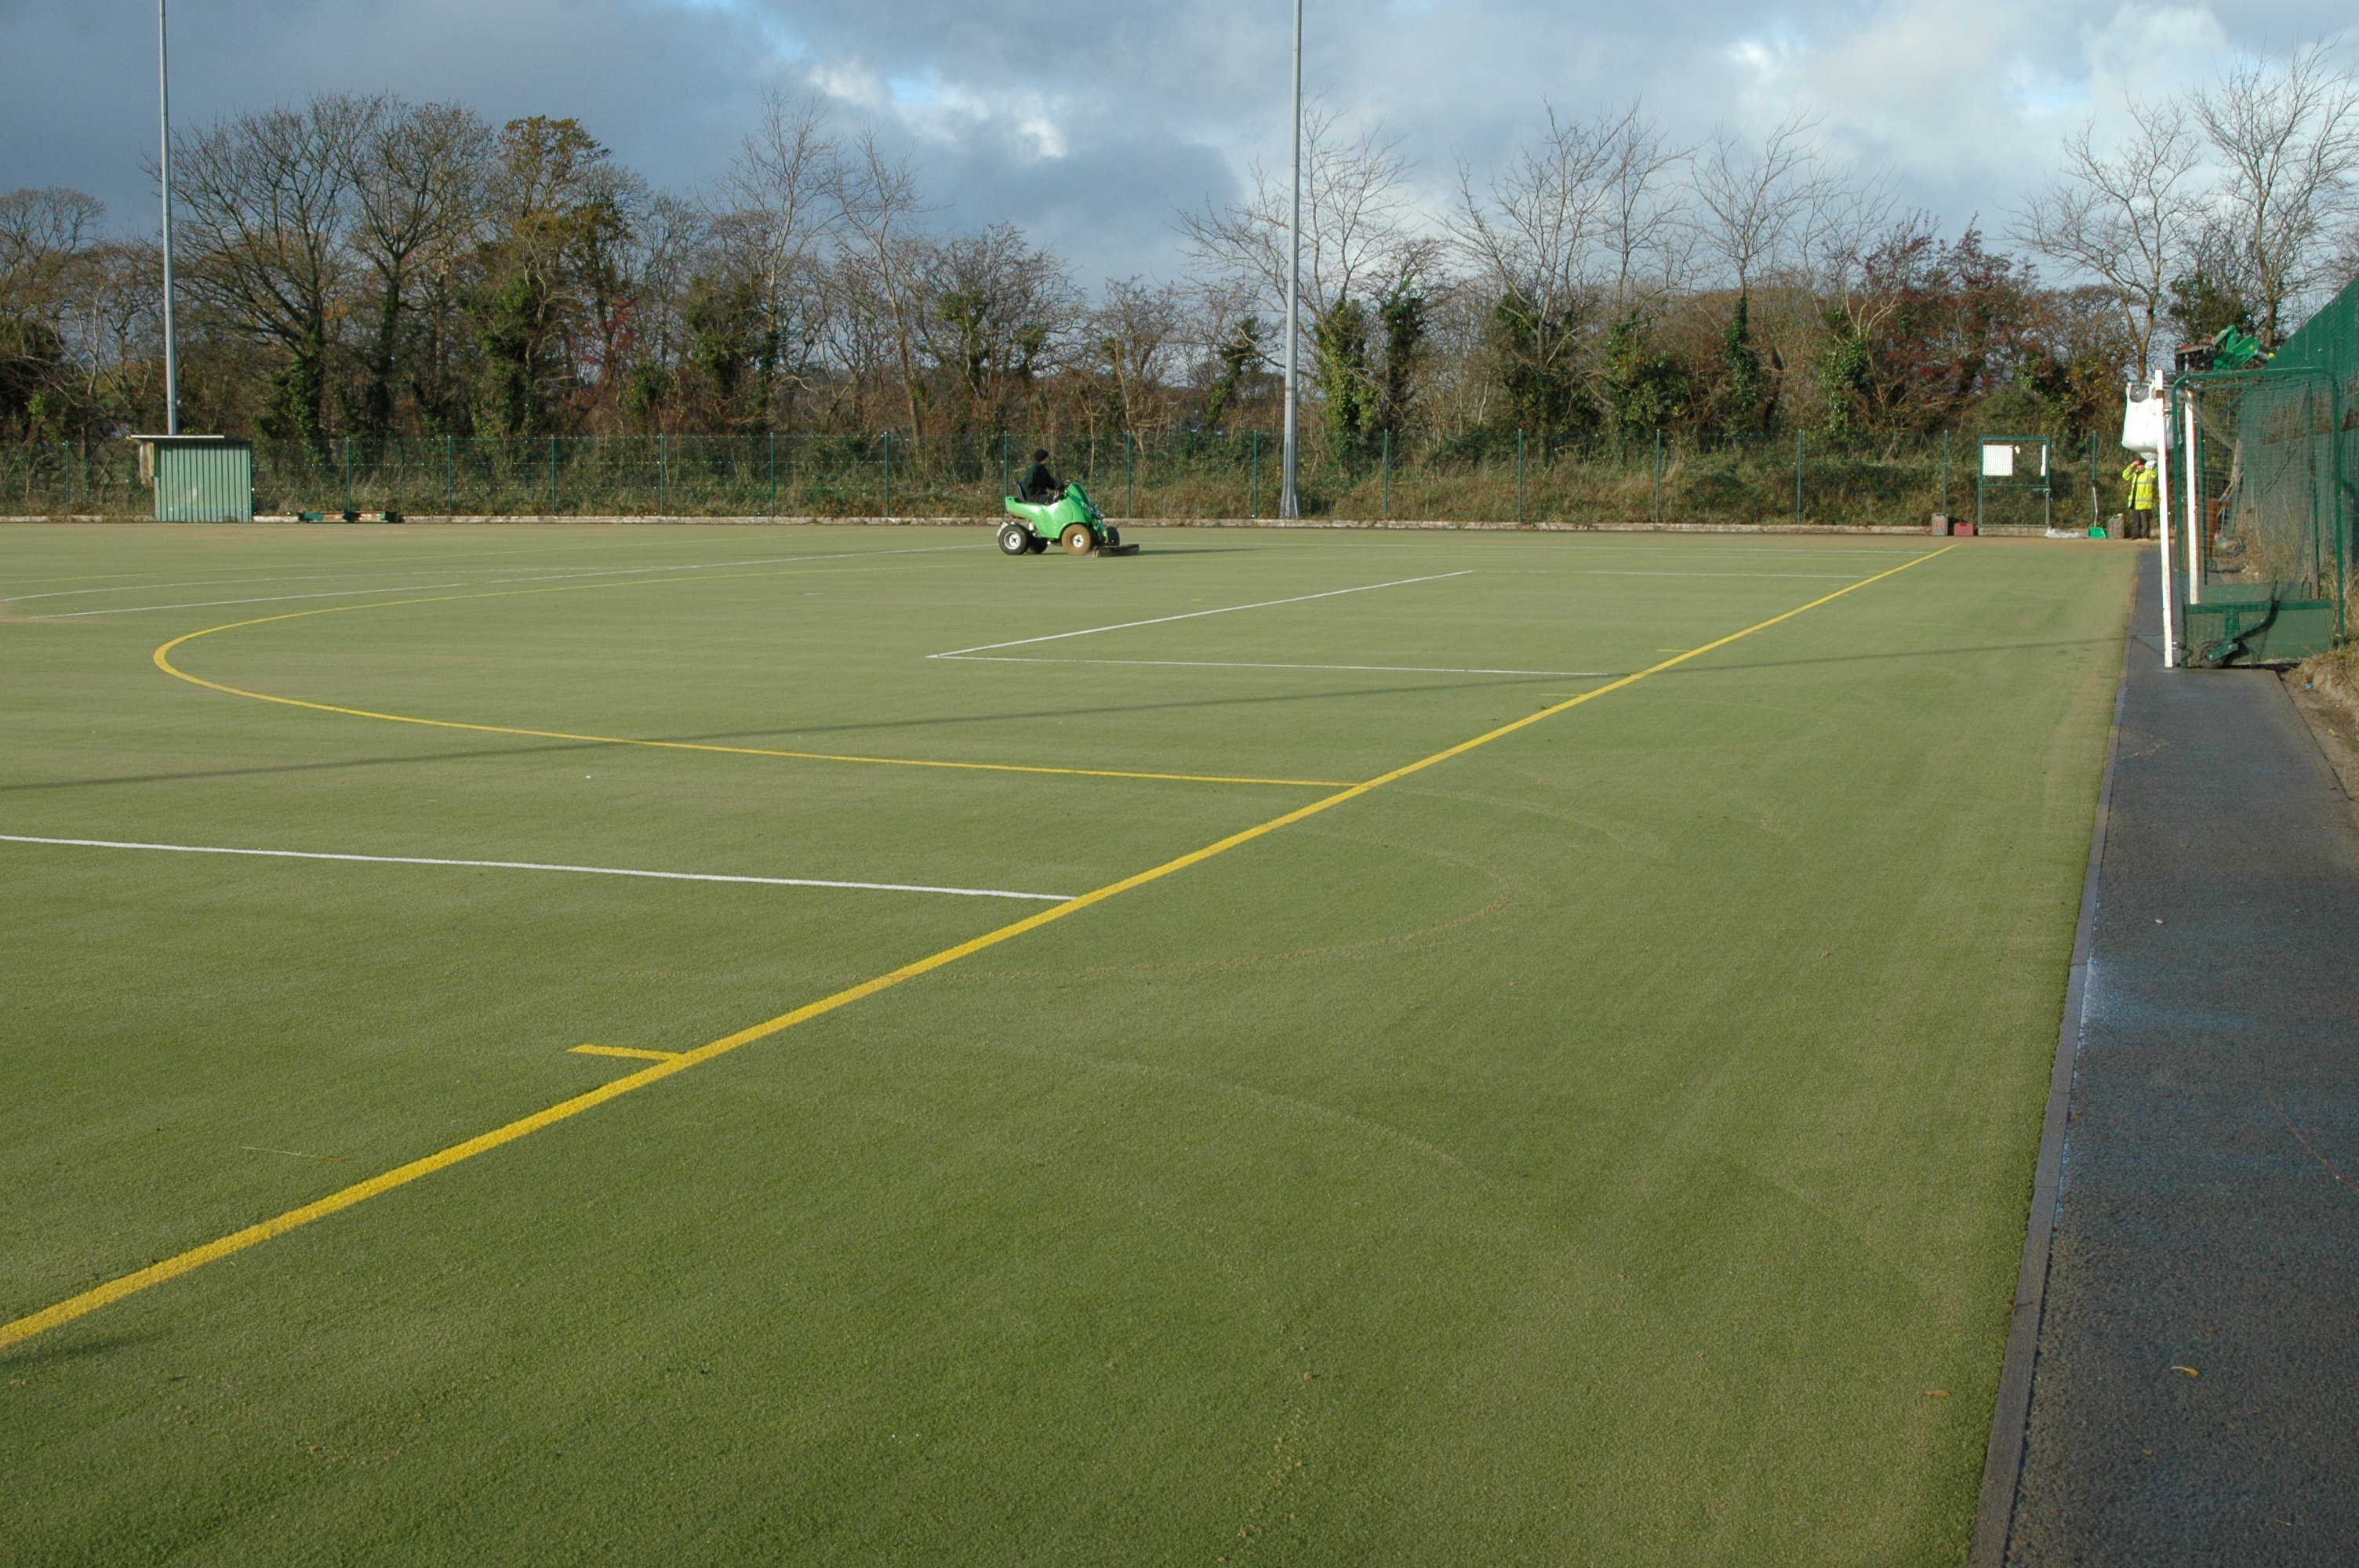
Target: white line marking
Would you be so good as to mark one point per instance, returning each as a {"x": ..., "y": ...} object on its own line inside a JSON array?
[
  {"x": 762, "y": 561},
  {"x": 1194, "y": 614},
  {"x": 202, "y": 582},
  {"x": 273, "y": 599},
  {"x": 488, "y": 582},
  {"x": 536, "y": 866},
  {"x": 1236, "y": 664},
  {"x": 1600, "y": 571}
]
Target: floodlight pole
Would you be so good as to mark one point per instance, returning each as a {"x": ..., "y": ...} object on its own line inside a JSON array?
[
  {"x": 171, "y": 345},
  {"x": 1289, "y": 503},
  {"x": 2164, "y": 523}
]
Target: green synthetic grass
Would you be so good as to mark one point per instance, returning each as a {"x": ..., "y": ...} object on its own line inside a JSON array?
[{"x": 1596, "y": 1148}]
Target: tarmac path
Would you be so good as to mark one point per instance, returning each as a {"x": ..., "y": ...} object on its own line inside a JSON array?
[{"x": 2195, "y": 1395}]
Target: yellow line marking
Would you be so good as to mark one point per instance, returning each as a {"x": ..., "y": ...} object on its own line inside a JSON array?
[
  {"x": 621, "y": 1051},
  {"x": 163, "y": 662},
  {"x": 116, "y": 1290}
]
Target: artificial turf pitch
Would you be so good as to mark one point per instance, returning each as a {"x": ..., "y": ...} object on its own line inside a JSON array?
[{"x": 1607, "y": 1144}]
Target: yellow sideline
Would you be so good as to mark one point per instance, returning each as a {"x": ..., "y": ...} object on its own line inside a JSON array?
[
  {"x": 164, "y": 663},
  {"x": 66, "y": 1311}
]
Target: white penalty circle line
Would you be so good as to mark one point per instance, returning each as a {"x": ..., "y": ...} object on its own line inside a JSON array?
[
  {"x": 1196, "y": 614},
  {"x": 537, "y": 866}
]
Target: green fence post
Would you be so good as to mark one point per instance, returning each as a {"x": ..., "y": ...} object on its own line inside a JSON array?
[
  {"x": 552, "y": 476},
  {"x": 1129, "y": 475},
  {"x": 888, "y": 476},
  {"x": 772, "y": 513},
  {"x": 1797, "y": 476},
  {"x": 663, "y": 479},
  {"x": 2096, "y": 501},
  {"x": 450, "y": 476},
  {"x": 1256, "y": 473},
  {"x": 348, "y": 473},
  {"x": 1658, "y": 476},
  {"x": 1388, "y": 476},
  {"x": 1520, "y": 479},
  {"x": 1945, "y": 473},
  {"x": 1006, "y": 468}
]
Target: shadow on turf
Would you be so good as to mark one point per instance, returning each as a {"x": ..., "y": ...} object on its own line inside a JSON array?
[
  {"x": 46, "y": 1349},
  {"x": 1718, "y": 668},
  {"x": 741, "y": 737}
]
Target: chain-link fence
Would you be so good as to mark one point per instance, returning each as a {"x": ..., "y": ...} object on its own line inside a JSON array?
[
  {"x": 2262, "y": 575},
  {"x": 1485, "y": 476},
  {"x": 2262, "y": 464}
]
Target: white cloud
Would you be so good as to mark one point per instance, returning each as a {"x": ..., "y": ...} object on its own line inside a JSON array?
[{"x": 1090, "y": 125}]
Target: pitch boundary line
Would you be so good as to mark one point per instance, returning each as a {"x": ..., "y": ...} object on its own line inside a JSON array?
[
  {"x": 116, "y": 1290},
  {"x": 537, "y": 866},
  {"x": 645, "y": 571},
  {"x": 162, "y": 660}
]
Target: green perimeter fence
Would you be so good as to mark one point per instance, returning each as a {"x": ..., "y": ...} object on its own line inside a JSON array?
[{"x": 1495, "y": 477}]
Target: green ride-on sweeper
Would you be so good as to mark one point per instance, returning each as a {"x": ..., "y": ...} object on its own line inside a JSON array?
[{"x": 1072, "y": 521}]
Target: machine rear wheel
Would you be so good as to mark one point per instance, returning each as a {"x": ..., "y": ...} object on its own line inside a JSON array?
[
  {"x": 1078, "y": 540},
  {"x": 1015, "y": 539}
]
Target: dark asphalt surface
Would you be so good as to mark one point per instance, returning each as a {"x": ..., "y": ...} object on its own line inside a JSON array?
[{"x": 2209, "y": 1218}]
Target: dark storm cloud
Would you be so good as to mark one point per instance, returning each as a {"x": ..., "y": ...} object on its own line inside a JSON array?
[{"x": 1090, "y": 123}]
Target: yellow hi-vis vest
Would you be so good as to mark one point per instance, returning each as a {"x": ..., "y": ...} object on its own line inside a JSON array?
[{"x": 2140, "y": 477}]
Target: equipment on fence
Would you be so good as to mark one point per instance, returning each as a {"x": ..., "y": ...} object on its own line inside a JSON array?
[
  {"x": 2229, "y": 349},
  {"x": 1072, "y": 521},
  {"x": 2014, "y": 464}
]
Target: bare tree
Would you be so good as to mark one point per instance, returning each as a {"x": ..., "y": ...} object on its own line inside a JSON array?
[
  {"x": 1359, "y": 230},
  {"x": 875, "y": 195},
  {"x": 1533, "y": 236},
  {"x": 1226, "y": 342},
  {"x": 48, "y": 265},
  {"x": 1754, "y": 207},
  {"x": 1003, "y": 312},
  {"x": 1532, "y": 232},
  {"x": 659, "y": 318},
  {"x": 2289, "y": 138},
  {"x": 418, "y": 185},
  {"x": 41, "y": 232},
  {"x": 269, "y": 204},
  {"x": 2123, "y": 218},
  {"x": 781, "y": 213},
  {"x": 1136, "y": 333},
  {"x": 1646, "y": 232}
]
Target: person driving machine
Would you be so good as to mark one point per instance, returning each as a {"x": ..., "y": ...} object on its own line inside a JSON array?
[{"x": 1041, "y": 487}]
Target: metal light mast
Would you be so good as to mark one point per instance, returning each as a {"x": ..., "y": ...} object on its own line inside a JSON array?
[
  {"x": 1288, "y": 504},
  {"x": 171, "y": 346}
]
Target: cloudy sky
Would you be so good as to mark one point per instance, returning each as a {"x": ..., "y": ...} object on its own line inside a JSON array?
[{"x": 1089, "y": 123}]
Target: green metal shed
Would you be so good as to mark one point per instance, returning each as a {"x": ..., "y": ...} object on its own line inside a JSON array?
[{"x": 199, "y": 479}]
